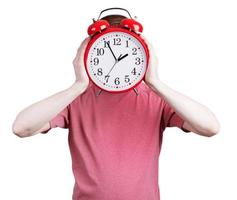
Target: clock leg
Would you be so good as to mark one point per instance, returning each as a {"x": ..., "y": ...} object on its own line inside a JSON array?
[
  {"x": 135, "y": 90},
  {"x": 99, "y": 93}
]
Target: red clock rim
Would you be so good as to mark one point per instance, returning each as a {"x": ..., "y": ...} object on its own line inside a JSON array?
[{"x": 116, "y": 29}]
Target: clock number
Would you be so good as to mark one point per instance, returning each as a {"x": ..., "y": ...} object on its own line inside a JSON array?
[
  {"x": 134, "y": 71},
  {"x": 96, "y": 61},
  {"x": 138, "y": 61},
  {"x": 134, "y": 51},
  {"x": 117, "y": 41},
  {"x": 106, "y": 44},
  {"x": 127, "y": 79},
  {"x": 126, "y": 43},
  {"x": 100, "y": 51},
  {"x": 116, "y": 81},
  {"x": 99, "y": 72},
  {"x": 107, "y": 78}
]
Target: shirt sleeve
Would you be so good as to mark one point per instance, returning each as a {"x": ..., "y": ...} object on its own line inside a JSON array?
[
  {"x": 60, "y": 120},
  {"x": 171, "y": 118}
]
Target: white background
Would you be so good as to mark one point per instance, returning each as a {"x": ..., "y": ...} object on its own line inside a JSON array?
[{"x": 196, "y": 45}]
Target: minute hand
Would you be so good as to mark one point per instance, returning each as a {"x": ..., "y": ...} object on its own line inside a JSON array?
[{"x": 112, "y": 52}]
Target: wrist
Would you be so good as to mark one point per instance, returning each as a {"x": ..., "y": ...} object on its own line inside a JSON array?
[
  {"x": 153, "y": 83},
  {"x": 79, "y": 87},
  {"x": 157, "y": 86}
]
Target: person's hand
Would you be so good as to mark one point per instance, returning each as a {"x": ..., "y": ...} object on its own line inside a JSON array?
[
  {"x": 152, "y": 71},
  {"x": 79, "y": 67}
]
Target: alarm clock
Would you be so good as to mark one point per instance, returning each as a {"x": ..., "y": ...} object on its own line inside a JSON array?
[{"x": 116, "y": 57}]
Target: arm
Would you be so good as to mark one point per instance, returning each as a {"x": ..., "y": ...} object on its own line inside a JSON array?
[
  {"x": 198, "y": 118},
  {"x": 35, "y": 118},
  {"x": 32, "y": 118}
]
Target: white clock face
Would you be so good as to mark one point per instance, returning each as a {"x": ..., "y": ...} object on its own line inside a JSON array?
[{"x": 116, "y": 61}]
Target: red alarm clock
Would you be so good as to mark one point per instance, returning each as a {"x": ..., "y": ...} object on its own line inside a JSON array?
[{"x": 116, "y": 57}]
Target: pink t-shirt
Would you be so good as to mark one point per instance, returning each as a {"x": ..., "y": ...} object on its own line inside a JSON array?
[{"x": 115, "y": 142}]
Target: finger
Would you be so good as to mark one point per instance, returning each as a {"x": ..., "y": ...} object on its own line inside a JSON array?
[
  {"x": 84, "y": 43},
  {"x": 146, "y": 41},
  {"x": 142, "y": 36},
  {"x": 81, "y": 49}
]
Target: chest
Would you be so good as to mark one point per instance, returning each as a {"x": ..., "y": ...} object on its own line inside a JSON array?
[
  {"x": 116, "y": 123},
  {"x": 120, "y": 113}
]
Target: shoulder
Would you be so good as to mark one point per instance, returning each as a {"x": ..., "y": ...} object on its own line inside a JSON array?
[{"x": 146, "y": 90}]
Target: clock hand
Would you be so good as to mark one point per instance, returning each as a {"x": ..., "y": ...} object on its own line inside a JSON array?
[
  {"x": 112, "y": 52},
  {"x": 116, "y": 60},
  {"x": 120, "y": 58},
  {"x": 111, "y": 68}
]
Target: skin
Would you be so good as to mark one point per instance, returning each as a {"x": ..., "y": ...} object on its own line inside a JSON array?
[
  {"x": 35, "y": 118},
  {"x": 198, "y": 118}
]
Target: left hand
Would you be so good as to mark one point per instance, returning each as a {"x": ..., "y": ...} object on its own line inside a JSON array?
[{"x": 152, "y": 70}]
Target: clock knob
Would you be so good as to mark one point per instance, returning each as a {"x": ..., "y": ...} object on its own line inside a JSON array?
[
  {"x": 132, "y": 25},
  {"x": 97, "y": 27}
]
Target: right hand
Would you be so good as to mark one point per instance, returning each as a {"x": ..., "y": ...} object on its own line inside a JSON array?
[{"x": 78, "y": 63}]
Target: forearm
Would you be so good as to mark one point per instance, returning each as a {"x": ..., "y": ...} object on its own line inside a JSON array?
[
  {"x": 36, "y": 115},
  {"x": 196, "y": 114}
]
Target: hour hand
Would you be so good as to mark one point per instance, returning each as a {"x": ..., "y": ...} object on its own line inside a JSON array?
[{"x": 122, "y": 57}]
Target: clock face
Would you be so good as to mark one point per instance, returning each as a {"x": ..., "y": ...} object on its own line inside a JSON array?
[{"x": 116, "y": 61}]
